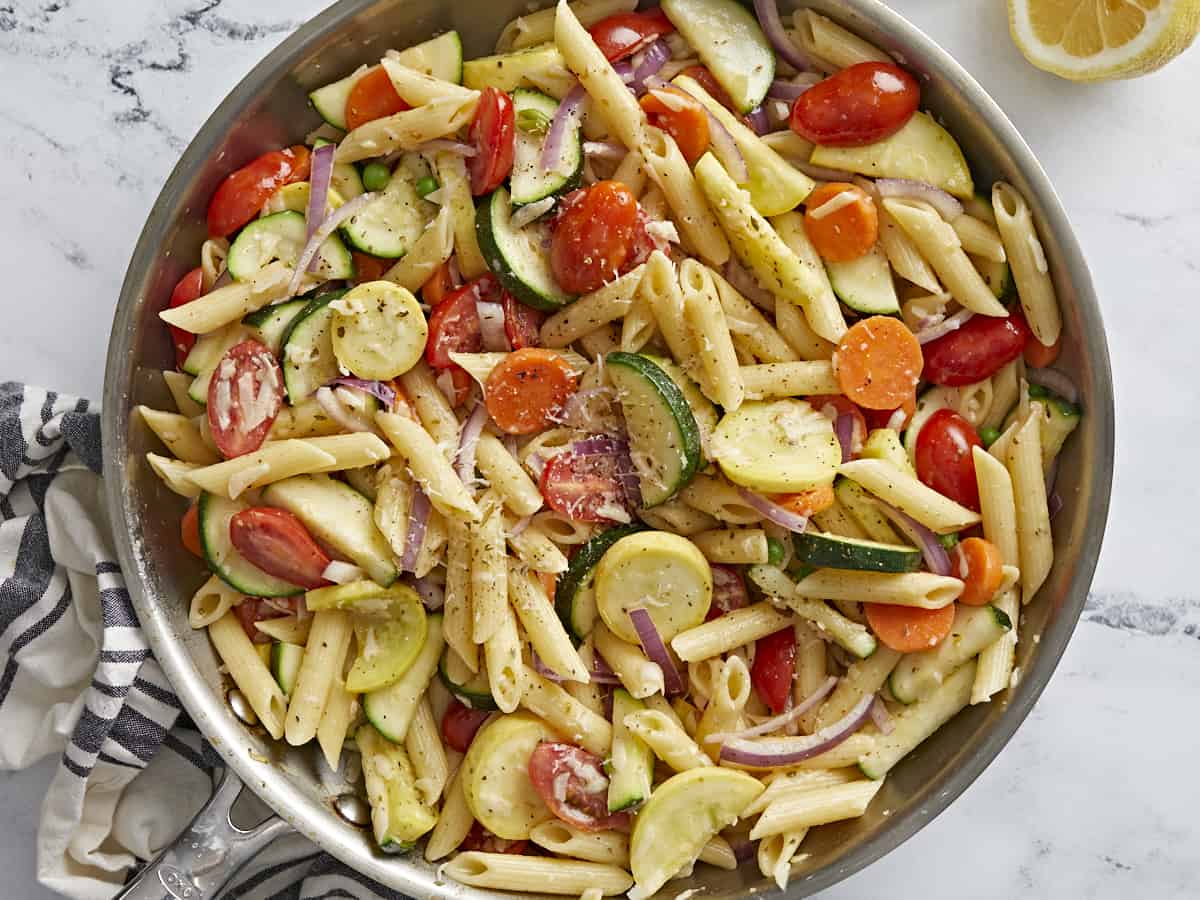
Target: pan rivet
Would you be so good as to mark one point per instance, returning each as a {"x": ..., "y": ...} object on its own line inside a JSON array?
[
  {"x": 241, "y": 707},
  {"x": 353, "y": 809}
]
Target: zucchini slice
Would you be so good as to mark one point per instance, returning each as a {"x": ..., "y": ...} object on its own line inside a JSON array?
[
  {"x": 306, "y": 349},
  {"x": 205, "y": 358},
  {"x": 516, "y": 255},
  {"x": 495, "y": 776},
  {"x": 389, "y": 624},
  {"x": 922, "y": 150},
  {"x": 530, "y": 182},
  {"x": 663, "y": 435},
  {"x": 542, "y": 66},
  {"x": 378, "y": 330},
  {"x": 285, "y": 664},
  {"x": 469, "y": 687},
  {"x": 391, "y": 709},
  {"x": 389, "y": 225},
  {"x": 704, "y": 411},
  {"x": 223, "y": 558},
  {"x": 632, "y": 766},
  {"x": 731, "y": 44},
  {"x": 338, "y": 515},
  {"x": 781, "y": 446},
  {"x": 398, "y": 812},
  {"x": 282, "y": 236},
  {"x": 865, "y": 284},
  {"x": 441, "y": 57},
  {"x": 663, "y": 572},
  {"x": 1059, "y": 419},
  {"x": 269, "y": 324},
  {"x": 832, "y": 551},
  {"x": 975, "y": 628},
  {"x": 575, "y": 603}
]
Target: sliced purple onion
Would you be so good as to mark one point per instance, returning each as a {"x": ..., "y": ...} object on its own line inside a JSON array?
[
  {"x": 418, "y": 517},
  {"x": 458, "y": 148},
  {"x": 767, "y": 753},
  {"x": 432, "y": 594},
  {"x": 544, "y": 670},
  {"x": 318, "y": 189},
  {"x": 780, "y": 721},
  {"x": 936, "y": 557},
  {"x": 743, "y": 848},
  {"x": 759, "y": 120},
  {"x": 601, "y": 672},
  {"x": 788, "y": 91},
  {"x": 326, "y": 228},
  {"x": 568, "y": 110},
  {"x": 468, "y": 441},
  {"x": 944, "y": 327},
  {"x": 223, "y": 279},
  {"x": 773, "y": 512},
  {"x": 947, "y": 206},
  {"x": 843, "y": 427},
  {"x": 382, "y": 392},
  {"x": 653, "y": 58},
  {"x": 881, "y": 717},
  {"x": 332, "y": 406},
  {"x": 656, "y": 650},
  {"x": 626, "y": 472},
  {"x": 600, "y": 445},
  {"x": 724, "y": 146},
  {"x": 1054, "y": 504},
  {"x": 519, "y": 526},
  {"x": 1054, "y": 381},
  {"x": 746, "y": 284},
  {"x": 341, "y": 572},
  {"x": 536, "y": 464},
  {"x": 772, "y": 26},
  {"x": 820, "y": 173},
  {"x": 491, "y": 325}
]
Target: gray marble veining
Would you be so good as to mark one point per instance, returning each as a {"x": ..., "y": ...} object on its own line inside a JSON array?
[{"x": 101, "y": 96}]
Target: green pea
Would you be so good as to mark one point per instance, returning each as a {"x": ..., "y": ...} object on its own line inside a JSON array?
[
  {"x": 989, "y": 436},
  {"x": 375, "y": 176},
  {"x": 427, "y": 185},
  {"x": 949, "y": 541},
  {"x": 774, "y": 551}
]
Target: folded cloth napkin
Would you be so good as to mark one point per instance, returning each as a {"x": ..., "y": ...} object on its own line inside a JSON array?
[{"x": 79, "y": 680}]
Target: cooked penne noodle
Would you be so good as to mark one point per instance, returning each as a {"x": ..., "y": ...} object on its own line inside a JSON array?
[
  {"x": 893, "y": 485},
  {"x": 543, "y": 626},
  {"x": 180, "y": 435},
  {"x": 421, "y": 388},
  {"x": 174, "y": 474},
  {"x": 427, "y": 253},
  {"x": 432, "y": 470},
  {"x": 723, "y": 713},
  {"x": 595, "y": 846},
  {"x": 698, "y": 227},
  {"x": 489, "y": 577},
  {"x": 608, "y": 304},
  {"x": 566, "y": 715},
  {"x": 733, "y": 546},
  {"x": 921, "y": 589},
  {"x": 735, "y": 628},
  {"x": 794, "y": 327},
  {"x": 538, "y": 27},
  {"x": 720, "y": 499},
  {"x": 249, "y": 673},
  {"x": 638, "y": 675},
  {"x": 408, "y": 130},
  {"x": 665, "y": 736},
  {"x": 178, "y": 383},
  {"x": 324, "y": 655},
  {"x": 979, "y": 238},
  {"x": 811, "y": 670},
  {"x": 535, "y": 548},
  {"x": 1034, "y": 540},
  {"x": 232, "y": 302},
  {"x": 866, "y": 676},
  {"x": 211, "y": 602},
  {"x": 456, "y": 196},
  {"x": 769, "y": 381},
  {"x": 506, "y": 672},
  {"x": 775, "y": 852},
  {"x": 286, "y": 629},
  {"x": 423, "y": 742},
  {"x": 453, "y": 823},
  {"x": 750, "y": 328},
  {"x": 505, "y": 476},
  {"x": 816, "y": 807},
  {"x": 458, "y": 615},
  {"x": 828, "y": 41},
  {"x": 277, "y": 460},
  {"x": 704, "y": 317},
  {"x": 1014, "y": 220},
  {"x": 536, "y": 873}
]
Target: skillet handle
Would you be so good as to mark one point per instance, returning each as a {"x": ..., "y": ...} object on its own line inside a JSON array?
[{"x": 207, "y": 854}]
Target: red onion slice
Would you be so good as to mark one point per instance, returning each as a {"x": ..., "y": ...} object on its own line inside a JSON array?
[
  {"x": 432, "y": 594},
  {"x": 772, "y": 26},
  {"x": 881, "y": 717},
  {"x": 1054, "y": 381},
  {"x": 1054, "y": 504},
  {"x": 568, "y": 110},
  {"x": 936, "y": 557},
  {"x": 458, "y": 148},
  {"x": 656, "y": 650},
  {"x": 544, "y": 670},
  {"x": 820, "y": 173},
  {"x": 785, "y": 751},
  {"x": 789, "y": 90},
  {"x": 780, "y": 721},
  {"x": 418, "y": 517},
  {"x": 519, "y": 526},
  {"x": 843, "y": 427},
  {"x": 382, "y": 392},
  {"x": 601, "y": 672},
  {"x": 947, "y": 206},
  {"x": 468, "y": 441},
  {"x": 944, "y": 327},
  {"x": 773, "y": 512},
  {"x": 653, "y": 58},
  {"x": 491, "y": 324},
  {"x": 318, "y": 188},
  {"x": 759, "y": 120},
  {"x": 332, "y": 406},
  {"x": 328, "y": 225}
]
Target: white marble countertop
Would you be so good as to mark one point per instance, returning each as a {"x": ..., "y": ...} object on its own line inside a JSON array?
[{"x": 101, "y": 97}]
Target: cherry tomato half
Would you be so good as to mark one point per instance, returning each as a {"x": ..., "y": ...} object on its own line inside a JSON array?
[
  {"x": 190, "y": 287},
  {"x": 729, "y": 591},
  {"x": 242, "y": 194},
  {"x": 368, "y": 267},
  {"x": 583, "y": 488},
  {"x": 454, "y": 323},
  {"x": 683, "y": 118},
  {"x": 479, "y": 838},
  {"x": 944, "y": 460},
  {"x": 861, "y": 104},
  {"x": 252, "y": 610},
  {"x": 584, "y": 802},
  {"x": 372, "y": 97},
  {"x": 460, "y": 723},
  {"x": 624, "y": 34},
  {"x": 774, "y": 667},
  {"x": 279, "y": 544},
  {"x": 244, "y": 397},
  {"x": 189, "y": 531},
  {"x": 593, "y": 236},
  {"x": 975, "y": 351},
  {"x": 493, "y": 133},
  {"x": 522, "y": 324}
]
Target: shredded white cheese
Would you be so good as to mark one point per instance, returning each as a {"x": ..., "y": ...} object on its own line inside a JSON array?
[
  {"x": 531, "y": 212},
  {"x": 665, "y": 231},
  {"x": 833, "y": 204}
]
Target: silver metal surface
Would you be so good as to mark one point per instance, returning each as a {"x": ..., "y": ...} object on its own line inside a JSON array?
[
  {"x": 267, "y": 109},
  {"x": 207, "y": 854}
]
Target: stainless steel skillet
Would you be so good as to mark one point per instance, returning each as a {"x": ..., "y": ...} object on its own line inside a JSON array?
[{"x": 268, "y": 109}]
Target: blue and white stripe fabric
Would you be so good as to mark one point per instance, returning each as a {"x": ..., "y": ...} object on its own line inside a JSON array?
[{"x": 79, "y": 680}]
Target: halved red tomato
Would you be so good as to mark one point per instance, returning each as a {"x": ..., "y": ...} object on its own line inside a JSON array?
[
  {"x": 729, "y": 591},
  {"x": 254, "y": 609},
  {"x": 583, "y": 487},
  {"x": 861, "y": 104},
  {"x": 774, "y": 667},
  {"x": 593, "y": 236},
  {"x": 624, "y": 34},
  {"x": 244, "y": 397},
  {"x": 945, "y": 459},
  {"x": 279, "y": 544},
  {"x": 572, "y": 784},
  {"x": 190, "y": 287},
  {"x": 522, "y": 324},
  {"x": 454, "y": 323},
  {"x": 493, "y": 132},
  {"x": 242, "y": 194},
  {"x": 372, "y": 97},
  {"x": 460, "y": 723}
]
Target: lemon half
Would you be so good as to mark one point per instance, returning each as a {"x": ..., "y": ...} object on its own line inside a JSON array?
[{"x": 1095, "y": 40}]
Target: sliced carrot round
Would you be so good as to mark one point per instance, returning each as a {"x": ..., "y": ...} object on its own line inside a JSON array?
[
  {"x": 809, "y": 502},
  {"x": 841, "y": 221},
  {"x": 878, "y": 363},
  {"x": 907, "y": 629},
  {"x": 189, "y": 531},
  {"x": 980, "y": 567},
  {"x": 526, "y": 388}
]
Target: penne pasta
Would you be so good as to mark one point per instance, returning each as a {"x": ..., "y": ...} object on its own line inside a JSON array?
[{"x": 1014, "y": 221}]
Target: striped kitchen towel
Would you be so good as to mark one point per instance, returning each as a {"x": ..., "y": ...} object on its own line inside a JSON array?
[{"x": 79, "y": 680}]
